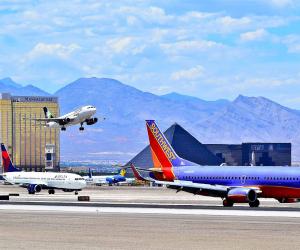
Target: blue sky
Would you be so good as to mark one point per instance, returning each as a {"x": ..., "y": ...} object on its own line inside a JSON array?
[{"x": 209, "y": 49}]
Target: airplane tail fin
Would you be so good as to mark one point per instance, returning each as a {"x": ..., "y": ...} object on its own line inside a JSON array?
[
  {"x": 122, "y": 172},
  {"x": 47, "y": 113},
  {"x": 163, "y": 155},
  {"x": 90, "y": 173},
  {"x": 136, "y": 173},
  {"x": 7, "y": 164}
]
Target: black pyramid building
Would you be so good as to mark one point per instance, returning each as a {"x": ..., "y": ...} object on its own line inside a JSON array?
[{"x": 185, "y": 145}]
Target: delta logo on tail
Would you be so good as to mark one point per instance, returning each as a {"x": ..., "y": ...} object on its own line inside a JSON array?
[{"x": 6, "y": 161}]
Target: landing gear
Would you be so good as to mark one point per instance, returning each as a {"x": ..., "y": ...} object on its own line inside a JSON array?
[
  {"x": 227, "y": 203},
  {"x": 31, "y": 192},
  {"x": 76, "y": 192},
  {"x": 254, "y": 203},
  {"x": 81, "y": 127},
  {"x": 63, "y": 128},
  {"x": 51, "y": 191}
]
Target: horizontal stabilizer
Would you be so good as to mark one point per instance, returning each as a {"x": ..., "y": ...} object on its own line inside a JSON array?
[{"x": 154, "y": 170}]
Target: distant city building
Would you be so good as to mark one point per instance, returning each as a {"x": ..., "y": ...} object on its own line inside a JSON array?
[
  {"x": 254, "y": 153},
  {"x": 32, "y": 146},
  {"x": 245, "y": 154}
]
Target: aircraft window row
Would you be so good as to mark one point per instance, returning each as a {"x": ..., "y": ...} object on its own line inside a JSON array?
[
  {"x": 220, "y": 178},
  {"x": 238, "y": 178},
  {"x": 282, "y": 178}
]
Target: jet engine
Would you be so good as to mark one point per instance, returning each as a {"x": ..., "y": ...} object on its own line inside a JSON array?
[
  {"x": 52, "y": 125},
  {"x": 66, "y": 120},
  {"x": 91, "y": 121},
  {"x": 242, "y": 195},
  {"x": 33, "y": 188}
]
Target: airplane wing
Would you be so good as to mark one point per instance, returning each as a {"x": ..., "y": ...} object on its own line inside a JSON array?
[
  {"x": 155, "y": 170},
  {"x": 60, "y": 121},
  {"x": 35, "y": 182},
  {"x": 196, "y": 188},
  {"x": 200, "y": 188}
]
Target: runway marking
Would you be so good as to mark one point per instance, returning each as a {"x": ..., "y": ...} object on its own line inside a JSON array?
[{"x": 99, "y": 210}]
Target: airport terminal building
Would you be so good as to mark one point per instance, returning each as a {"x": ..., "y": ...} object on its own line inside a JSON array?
[
  {"x": 32, "y": 147},
  {"x": 245, "y": 154}
]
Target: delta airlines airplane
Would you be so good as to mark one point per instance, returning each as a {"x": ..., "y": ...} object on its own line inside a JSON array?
[
  {"x": 79, "y": 116},
  {"x": 36, "y": 181},
  {"x": 234, "y": 184}
]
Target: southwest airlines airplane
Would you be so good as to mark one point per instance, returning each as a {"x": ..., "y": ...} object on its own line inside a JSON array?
[
  {"x": 234, "y": 184},
  {"x": 36, "y": 181},
  {"x": 79, "y": 116}
]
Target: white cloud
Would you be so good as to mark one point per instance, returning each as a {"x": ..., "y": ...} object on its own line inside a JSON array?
[
  {"x": 152, "y": 14},
  {"x": 190, "y": 46},
  {"x": 229, "y": 22},
  {"x": 188, "y": 74},
  {"x": 119, "y": 45},
  {"x": 280, "y": 3},
  {"x": 293, "y": 43},
  {"x": 55, "y": 49},
  {"x": 253, "y": 35}
]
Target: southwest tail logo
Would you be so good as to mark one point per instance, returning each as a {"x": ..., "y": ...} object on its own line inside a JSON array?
[
  {"x": 6, "y": 162},
  {"x": 163, "y": 154}
]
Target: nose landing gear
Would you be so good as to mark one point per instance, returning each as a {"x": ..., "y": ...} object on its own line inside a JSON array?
[
  {"x": 51, "y": 191},
  {"x": 81, "y": 128}
]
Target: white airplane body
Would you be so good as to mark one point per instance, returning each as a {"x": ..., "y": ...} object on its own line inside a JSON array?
[
  {"x": 64, "y": 181},
  {"x": 107, "y": 179},
  {"x": 79, "y": 116},
  {"x": 36, "y": 181},
  {"x": 97, "y": 180},
  {"x": 102, "y": 180}
]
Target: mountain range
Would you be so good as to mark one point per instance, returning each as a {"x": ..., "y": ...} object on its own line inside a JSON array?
[{"x": 123, "y": 133}]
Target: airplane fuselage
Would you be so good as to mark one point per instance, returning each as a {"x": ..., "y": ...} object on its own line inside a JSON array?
[
  {"x": 78, "y": 116},
  {"x": 274, "y": 182},
  {"x": 65, "y": 181}
]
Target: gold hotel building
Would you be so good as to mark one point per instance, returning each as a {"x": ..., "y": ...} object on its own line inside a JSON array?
[{"x": 31, "y": 145}]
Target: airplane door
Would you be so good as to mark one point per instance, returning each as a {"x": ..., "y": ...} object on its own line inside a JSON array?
[{"x": 243, "y": 179}]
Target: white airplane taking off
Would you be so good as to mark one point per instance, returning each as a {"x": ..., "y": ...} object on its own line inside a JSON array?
[
  {"x": 36, "y": 181},
  {"x": 79, "y": 116}
]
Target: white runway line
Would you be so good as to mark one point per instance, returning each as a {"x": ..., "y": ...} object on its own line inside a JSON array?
[{"x": 99, "y": 210}]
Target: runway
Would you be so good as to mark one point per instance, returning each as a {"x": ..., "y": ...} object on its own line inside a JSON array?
[
  {"x": 60, "y": 230},
  {"x": 142, "y": 217}
]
